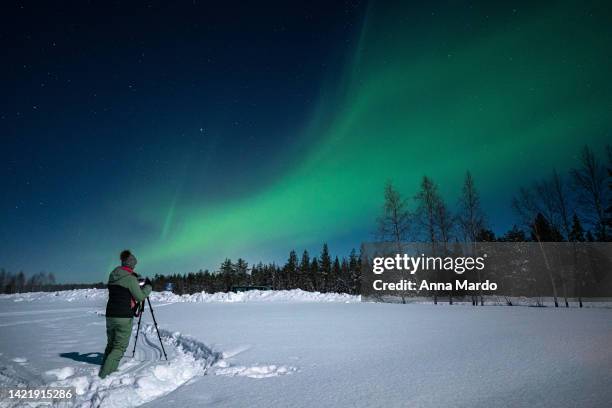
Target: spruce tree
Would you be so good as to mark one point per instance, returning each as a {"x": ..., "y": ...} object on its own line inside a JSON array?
[
  {"x": 303, "y": 271},
  {"x": 355, "y": 273},
  {"x": 242, "y": 272},
  {"x": 227, "y": 274},
  {"x": 20, "y": 280},
  {"x": 325, "y": 269},
  {"x": 335, "y": 276},
  {"x": 315, "y": 275},
  {"x": 290, "y": 270},
  {"x": 345, "y": 277}
]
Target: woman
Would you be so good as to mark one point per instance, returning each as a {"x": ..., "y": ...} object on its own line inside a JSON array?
[{"x": 124, "y": 295}]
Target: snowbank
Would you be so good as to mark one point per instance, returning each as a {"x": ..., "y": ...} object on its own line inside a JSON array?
[
  {"x": 63, "y": 295},
  {"x": 295, "y": 295}
]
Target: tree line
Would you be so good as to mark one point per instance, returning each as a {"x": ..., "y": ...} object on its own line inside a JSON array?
[
  {"x": 11, "y": 282},
  {"x": 322, "y": 273}
]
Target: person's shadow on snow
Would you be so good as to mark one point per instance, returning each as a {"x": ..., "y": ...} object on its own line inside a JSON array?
[{"x": 90, "y": 358}]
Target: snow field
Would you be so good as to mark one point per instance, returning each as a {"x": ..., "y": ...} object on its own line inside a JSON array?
[{"x": 262, "y": 354}]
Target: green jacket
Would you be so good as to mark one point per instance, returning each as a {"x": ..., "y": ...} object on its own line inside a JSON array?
[
  {"x": 123, "y": 292},
  {"x": 121, "y": 277}
]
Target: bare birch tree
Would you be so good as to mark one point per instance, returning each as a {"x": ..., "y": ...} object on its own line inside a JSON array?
[
  {"x": 444, "y": 224},
  {"x": 471, "y": 221},
  {"x": 590, "y": 178},
  {"x": 394, "y": 224},
  {"x": 427, "y": 201}
]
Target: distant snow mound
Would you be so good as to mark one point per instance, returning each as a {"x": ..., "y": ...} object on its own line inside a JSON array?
[
  {"x": 280, "y": 296},
  {"x": 294, "y": 295},
  {"x": 62, "y": 295}
]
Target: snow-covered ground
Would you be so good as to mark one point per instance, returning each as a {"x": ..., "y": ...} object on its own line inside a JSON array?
[{"x": 304, "y": 350}]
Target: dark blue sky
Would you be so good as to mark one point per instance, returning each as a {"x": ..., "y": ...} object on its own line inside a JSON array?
[{"x": 100, "y": 100}]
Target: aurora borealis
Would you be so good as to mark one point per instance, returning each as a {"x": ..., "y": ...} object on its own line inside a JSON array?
[{"x": 283, "y": 134}]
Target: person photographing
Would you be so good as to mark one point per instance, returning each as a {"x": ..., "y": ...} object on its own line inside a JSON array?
[{"x": 124, "y": 297}]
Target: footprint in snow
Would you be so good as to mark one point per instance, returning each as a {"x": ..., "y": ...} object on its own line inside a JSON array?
[
  {"x": 61, "y": 373},
  {"x": 257, "y": 371}
]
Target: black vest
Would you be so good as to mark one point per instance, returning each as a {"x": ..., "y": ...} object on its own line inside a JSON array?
[{"x": 119, "y": 302}]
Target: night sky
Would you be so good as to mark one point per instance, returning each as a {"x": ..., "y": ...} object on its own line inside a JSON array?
[{"x": 192, "y": 132}]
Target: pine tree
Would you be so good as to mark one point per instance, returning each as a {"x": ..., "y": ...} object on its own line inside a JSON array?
[
  {"x": 20, "y": 281},
  {"x": 314, "y": 275},
  {"x": 290, "y": 270},
  {"x": 334, "y": 276},
  {"x": 355, "y": 273},
  {"x": 303, "y": 271},
  {"x": 227, "y": 274},
  {"x": 325, "y": 268},
  {"x": 345, "y": 277},
  {"x": 242, "y": 272}
]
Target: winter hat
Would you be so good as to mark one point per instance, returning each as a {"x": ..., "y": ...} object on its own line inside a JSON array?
[{"x": 128, "y": 259}]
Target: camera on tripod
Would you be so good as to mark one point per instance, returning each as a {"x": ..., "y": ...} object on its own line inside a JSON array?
[{"x": 144, "y": 281}]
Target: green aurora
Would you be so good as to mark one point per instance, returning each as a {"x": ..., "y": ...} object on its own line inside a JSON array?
[{"x": 508, "y": 94}]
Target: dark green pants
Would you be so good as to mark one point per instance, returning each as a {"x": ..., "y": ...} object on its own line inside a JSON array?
[{"x": 118, "y": 332}]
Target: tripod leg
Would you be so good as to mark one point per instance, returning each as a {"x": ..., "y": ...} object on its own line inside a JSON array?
[
  {"x": 137, "y": 330},
  {"x": 155, "y": 323}
]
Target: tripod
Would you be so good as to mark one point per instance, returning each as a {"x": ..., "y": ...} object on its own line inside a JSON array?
[{"x": 142, "y": 308}]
